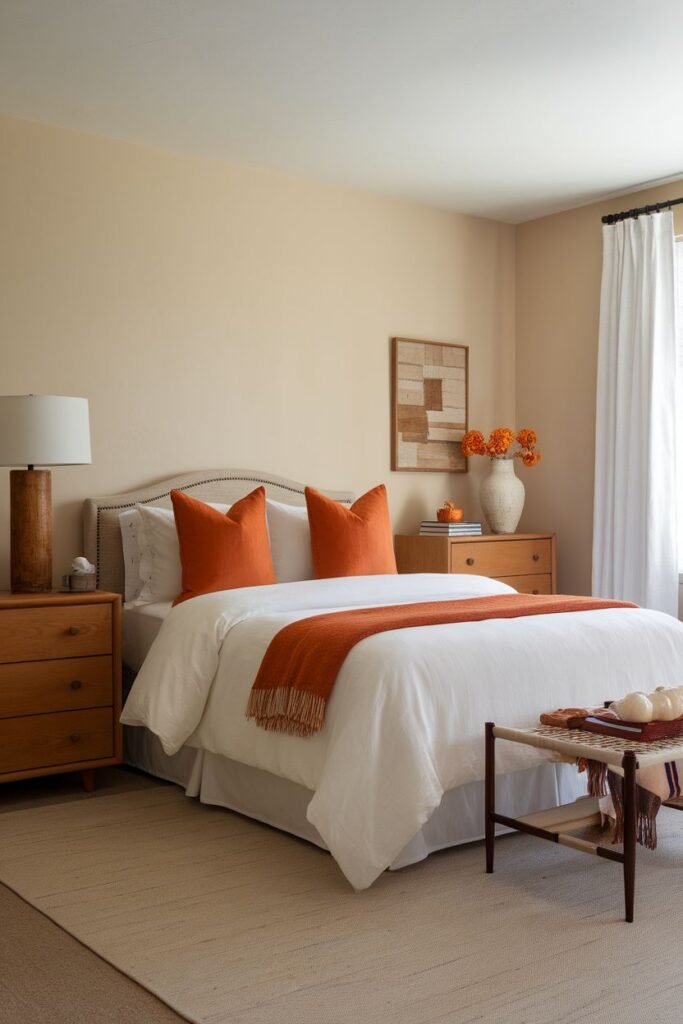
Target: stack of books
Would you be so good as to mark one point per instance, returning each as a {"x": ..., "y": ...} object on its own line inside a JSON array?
[{"x": 432, "y": 528}]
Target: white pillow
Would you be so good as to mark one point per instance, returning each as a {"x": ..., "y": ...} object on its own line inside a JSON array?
[
  {"x": 160, "y": 569},
  {"x": 290, "y": 541},
  {"x": 129, "y": 523}
]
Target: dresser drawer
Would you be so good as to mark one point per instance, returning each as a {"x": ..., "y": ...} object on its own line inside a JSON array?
[
  {"x": 29, "y": 634},
  {"x": 502, "y": 558},
  {"x": 36, "y": 687},
  {"x": 39, "y": 741},
  {"x": 529, "y": 584}
]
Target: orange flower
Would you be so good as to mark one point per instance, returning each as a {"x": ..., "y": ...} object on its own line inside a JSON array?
[
  {"x": 499, "y": 441},
  {"x": 473, "y": 443},
  {"x": 527, "y": 438}
]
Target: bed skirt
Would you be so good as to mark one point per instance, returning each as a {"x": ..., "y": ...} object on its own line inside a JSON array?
[{"x": 267, "y": 798}]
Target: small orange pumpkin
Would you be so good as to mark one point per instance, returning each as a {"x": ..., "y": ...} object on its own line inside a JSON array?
[{"x": 450, "y": 513}]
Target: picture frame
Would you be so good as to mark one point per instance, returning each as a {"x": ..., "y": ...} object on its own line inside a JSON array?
[{"x": 429, "y": 405}]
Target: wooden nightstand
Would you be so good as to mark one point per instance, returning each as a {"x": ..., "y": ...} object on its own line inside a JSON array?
[
  {"x": 60, "y": 684},
  {"x": 524, "y": 560}
]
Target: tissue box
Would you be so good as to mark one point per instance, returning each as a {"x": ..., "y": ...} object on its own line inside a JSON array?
[{"x": 81, "y": 582}]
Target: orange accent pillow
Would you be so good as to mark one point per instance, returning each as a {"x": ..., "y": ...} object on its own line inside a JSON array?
[
  {"x": 351, "y": 542},
  {"x": 221, "y": 551}
]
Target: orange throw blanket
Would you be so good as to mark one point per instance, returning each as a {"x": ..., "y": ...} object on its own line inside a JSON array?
[{"x": 301, "y": 664}]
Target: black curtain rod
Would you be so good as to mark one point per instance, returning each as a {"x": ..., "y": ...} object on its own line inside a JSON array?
[{"x": 613, "y": 218}]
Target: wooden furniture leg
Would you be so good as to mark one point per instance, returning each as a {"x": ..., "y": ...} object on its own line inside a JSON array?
[
  {"x": 630, "y": 817},
  {"x": 490, "y": 795},
  {"x": 88, "y": 779}
]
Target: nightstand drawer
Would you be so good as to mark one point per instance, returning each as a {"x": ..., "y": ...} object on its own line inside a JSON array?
[
  {"x": 529, "y": 584},
  {"x": 40, "y": 741},
  {"x": 500, "y": 559},
  {"x": 30, "y": 634},
  {"x": 37, "y": 687}
]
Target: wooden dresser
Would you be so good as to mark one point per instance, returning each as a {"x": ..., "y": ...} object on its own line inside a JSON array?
[
  {"x": 60, "y": 684},
  {"x": 524, "y": 560}
]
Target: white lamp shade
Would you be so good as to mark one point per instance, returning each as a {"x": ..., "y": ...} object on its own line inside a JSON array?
[{"x": 44, "y": 430}]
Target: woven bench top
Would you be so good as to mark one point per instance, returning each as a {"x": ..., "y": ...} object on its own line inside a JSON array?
[{"x": 575, "y": 743}]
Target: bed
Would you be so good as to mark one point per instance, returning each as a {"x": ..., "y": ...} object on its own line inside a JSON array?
[{"x": 390, "y": 780}]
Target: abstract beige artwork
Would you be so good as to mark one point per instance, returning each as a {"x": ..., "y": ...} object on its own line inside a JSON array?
[{"x": 429, "y": 405}]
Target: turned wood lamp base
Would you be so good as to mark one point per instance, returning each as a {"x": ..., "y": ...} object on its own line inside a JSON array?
[{"x": 30, "y": 531}]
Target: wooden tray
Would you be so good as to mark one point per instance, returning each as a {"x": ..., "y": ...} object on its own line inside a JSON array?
[{"x": 607, "y": 725}]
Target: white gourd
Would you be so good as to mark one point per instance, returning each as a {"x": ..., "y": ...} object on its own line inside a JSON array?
[
  {"x": 662, "y": 709},
  {"x": 676, "y": 698},
  {"x": 634, "y": 707}
]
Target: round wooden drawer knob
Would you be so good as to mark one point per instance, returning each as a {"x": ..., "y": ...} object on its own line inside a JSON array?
[
  {"x": 535, "y": 557},
  {"x": 470, "y": 561},
  {"x": 75, "y": 684},
  {"x": 75, "y": 737},
  {"x": 74, "y": 630}
]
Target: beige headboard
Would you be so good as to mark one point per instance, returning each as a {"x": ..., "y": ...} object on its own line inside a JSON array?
[{"x": 102, "y": 534}]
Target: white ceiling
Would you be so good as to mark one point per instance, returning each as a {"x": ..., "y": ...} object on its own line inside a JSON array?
[{"x": 504, "y": 108}]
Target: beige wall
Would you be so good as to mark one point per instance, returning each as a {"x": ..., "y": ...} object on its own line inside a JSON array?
[
  {"x": 559, "y": 261},
  {"x": 221, "y": 315}
]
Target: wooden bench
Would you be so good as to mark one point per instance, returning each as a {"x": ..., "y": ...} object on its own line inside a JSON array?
[{"x": 558, "y": 824}]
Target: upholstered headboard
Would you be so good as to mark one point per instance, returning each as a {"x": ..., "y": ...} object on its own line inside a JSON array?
[{"x": 102, "y": 534}]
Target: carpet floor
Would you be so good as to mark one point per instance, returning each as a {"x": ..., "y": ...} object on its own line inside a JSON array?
[
  {"x": 48, "y": 977},
  {"x": 227, "y": 920}
]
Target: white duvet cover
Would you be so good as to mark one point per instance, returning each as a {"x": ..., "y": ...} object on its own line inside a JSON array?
[{"x": 405, "y": 722}]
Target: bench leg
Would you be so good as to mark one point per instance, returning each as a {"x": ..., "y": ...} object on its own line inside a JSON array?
[
  {"x": 630, "y": 816},
  {"x": 490, "y": 795}
]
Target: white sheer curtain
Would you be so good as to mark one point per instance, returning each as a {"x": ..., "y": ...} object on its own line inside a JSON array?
[
  {"x": 679, "y": 401},
  {"x": 635, "y": 510}
]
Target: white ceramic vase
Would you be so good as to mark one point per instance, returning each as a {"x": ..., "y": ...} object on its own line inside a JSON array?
[{"x": 502, "y": 496}]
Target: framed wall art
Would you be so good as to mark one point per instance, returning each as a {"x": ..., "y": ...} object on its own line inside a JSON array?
[{"x": 428, "y": 405}]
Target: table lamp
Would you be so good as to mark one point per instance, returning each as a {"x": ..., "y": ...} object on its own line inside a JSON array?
[{"x": 38, "y": 430}]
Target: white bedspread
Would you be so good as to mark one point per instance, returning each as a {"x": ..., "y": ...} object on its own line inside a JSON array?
[{"x": 406, "y": 718}]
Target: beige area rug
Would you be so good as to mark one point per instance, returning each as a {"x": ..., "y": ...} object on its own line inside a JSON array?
[{"x": 228, "y": 920}]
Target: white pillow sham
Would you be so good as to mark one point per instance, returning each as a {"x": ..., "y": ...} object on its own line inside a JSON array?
[
  {"x": 290, "y": 541},
  {"x": 129, "y": 523}
]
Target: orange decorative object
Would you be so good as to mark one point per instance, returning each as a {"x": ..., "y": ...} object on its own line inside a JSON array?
[
  {"x": 527, "y": 438},
  {"x": 500, "y": 440},
  {"x": 500, "y": 443},
  {"x": 301, "y": 663},
  {"x": 356, "y": 541},
  {"x": 450, "y": 513},
  {"x": 473, "y": 443},
  {"x": 220, "y": 551}
]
